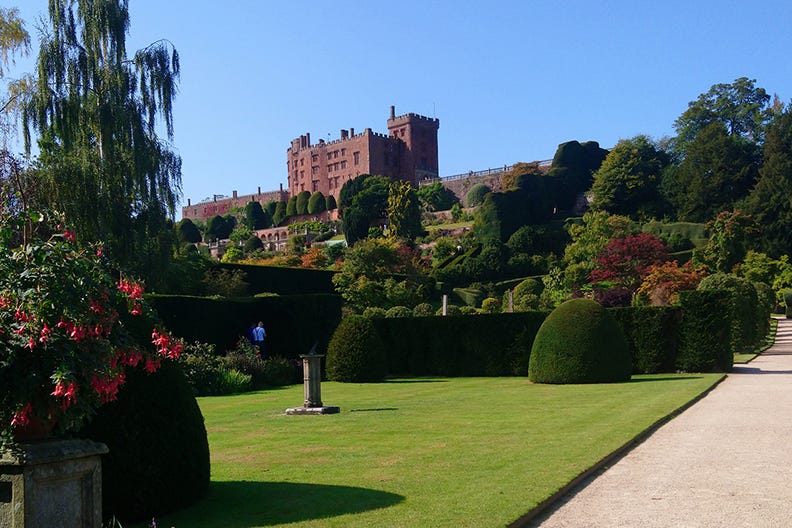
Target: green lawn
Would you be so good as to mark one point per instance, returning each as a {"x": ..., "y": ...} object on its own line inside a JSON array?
[
  {"x": 454, "y": 225},
  {"x": 417, "y": 452}
]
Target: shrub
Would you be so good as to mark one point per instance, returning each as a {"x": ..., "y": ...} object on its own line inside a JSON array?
[
  {"x": 475, "y": 196},
  {"x": 450, "y": 310},
  {"x": 491, "y": 305},
  {"x": 423, "y": 310},
  {"x": 399, "y": 311},
  {"x": 467, "y": 310},
  {"x": 375, "y": 311},
  {"x": 279, "y": 371},
  {"x": 580, "y": 342},
  {"x": 201, "y": 368},
  {"x": 765, "y": 304},
  {"x": 159, "y": 454},
  {"x": 244, "y": 358},
  {"x": 704, "y": 332},
  {"x": 356, "y": 352},
  {"x": 232, "y": 381}
]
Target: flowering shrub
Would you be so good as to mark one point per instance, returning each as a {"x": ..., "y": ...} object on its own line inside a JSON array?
[{"x": 64, "y": 345}]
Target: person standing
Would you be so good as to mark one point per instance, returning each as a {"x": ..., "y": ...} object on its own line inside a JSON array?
[{"x": 258, "y": 338}]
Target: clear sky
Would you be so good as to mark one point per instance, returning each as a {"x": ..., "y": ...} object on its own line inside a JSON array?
[{"x": 509, "y": 80}]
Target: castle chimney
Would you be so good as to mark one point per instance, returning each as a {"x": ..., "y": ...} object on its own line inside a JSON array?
[
  {"x": 308, "y": 138},
  {"x": 393, "y": 112},
  {"x": 352, "y": 132},
  {"x": 234, "y": 193},
  {"x": 344, "y": 134},
  {"x": 259, "y": 189},
  {"x": 188, "y": 202}
]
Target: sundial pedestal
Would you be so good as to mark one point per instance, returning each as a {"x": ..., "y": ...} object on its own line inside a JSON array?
[{"x": 312, "y": 381}]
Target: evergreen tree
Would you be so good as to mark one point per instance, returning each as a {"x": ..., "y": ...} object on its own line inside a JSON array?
[
  {"x": 770, "y": 201},
  {"x": 291, "y": 207},
  {"x": 317, "y": 203},
  {"x": 330, "y": 203},
  {"x": 280, "y": 213},
  {"x": 301, "y": 203},
  {"x": 404, "y": 212},
  {"x": 256, "y": 217}
]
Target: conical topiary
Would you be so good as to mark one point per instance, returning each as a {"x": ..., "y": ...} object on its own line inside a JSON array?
[{"x": 580, "y": 342}]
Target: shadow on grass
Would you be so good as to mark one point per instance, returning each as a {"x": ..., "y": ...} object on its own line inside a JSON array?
[{"x": 241, "y": 504}]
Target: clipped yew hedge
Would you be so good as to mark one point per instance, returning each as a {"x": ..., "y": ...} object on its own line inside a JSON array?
[
  {"x": 293, "y": 322},
  {"x": 282, "y": 280},
  {"x": 356, "y": 353},
  {"x": 652, "y": 334},
  {"x": 704, "y": 332}
]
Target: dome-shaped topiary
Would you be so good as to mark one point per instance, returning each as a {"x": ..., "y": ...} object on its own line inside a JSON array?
[
  {"x": 159, "y": 454},
  {"x": 580, "y": 342},
  {"x": 356, "y": 352},
  {"x": 399, "y": 311}
]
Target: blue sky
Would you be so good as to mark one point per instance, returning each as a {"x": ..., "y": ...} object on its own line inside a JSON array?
[{"x": 509, "y": 80}]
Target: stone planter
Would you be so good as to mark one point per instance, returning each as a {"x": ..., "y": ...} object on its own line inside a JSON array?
[{"x": 52, "y": 483}]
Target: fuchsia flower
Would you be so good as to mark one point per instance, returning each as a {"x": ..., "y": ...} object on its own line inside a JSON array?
[
  {"x": 67, "y": 391},
  {"x": 22, "y": 418}
]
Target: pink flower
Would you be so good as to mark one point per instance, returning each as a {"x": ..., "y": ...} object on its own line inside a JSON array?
[
  {"x": 69, "y": 236},
  {"x": 45, "y": 332},
  {"x": 31, "y": 343},
  {"x": 107, "y": 388}
]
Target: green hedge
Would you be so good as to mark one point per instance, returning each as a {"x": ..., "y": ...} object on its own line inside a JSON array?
[
  {"x": 285, "y": 281},
  {"x": 356, "y": 353},
  {"x": 480, "y": 345},
  {"x": 470, "y": 296},
  {"x": 743, "y": 308},
  {"x": 704, "y": 332},
  {"x": 652, "y": 334},
  {"x": 293, "y": 323}
]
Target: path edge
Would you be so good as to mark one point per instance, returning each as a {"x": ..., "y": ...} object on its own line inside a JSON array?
[{"x": 545, "y": 505}]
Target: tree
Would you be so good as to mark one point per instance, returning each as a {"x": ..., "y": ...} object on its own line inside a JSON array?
[
  {"x": 573, "y": 165},
  {"x": 403, "y": 211},
  {"x": 625, "y": 262},
  {"x": 718, "y": 170},
  {"x": 97, "y": 113},
  {"x": 628, "y": 181},
  {"x": 436, "y": 197},
  {"x": 218, "y": 228},
  {"x": 363, "y": 199},
  {"x": 589, "y": 238},
  {"x": 301, "y": 203},
  {"x": 256, "y": 217},
  {"x": 14, "y": 40},
  {"x": 280, "y": 213},
  {"x": 731, "y": 235},
  {"x": 769, "y": 201},
  {"x": 188, "y": 232},
  {"x": 367, "y": 275},
  {"x": 741, "y": 107},
  {"x": 317, "y": 203},
  {"x": 330, "y": 203},
  {"x": 661, "y": 286}
]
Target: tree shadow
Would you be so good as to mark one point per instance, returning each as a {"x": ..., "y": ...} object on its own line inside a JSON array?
[{"x": 243, "y": 504}]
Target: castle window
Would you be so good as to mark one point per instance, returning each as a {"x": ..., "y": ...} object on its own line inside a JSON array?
[
  {"x": 314, "y": 170},
  {"x": 302, "y": 162},
  {"x": 330, "y": 168},
  {"x": 335, "y": 154},
  {"x": 343, "y": 164},
  {"x": 314, "y": 185},
  {"x": 343, "y": 152},
  {"x": 335, "y": 166},
  {"x": 302, "y": 174},
  {"x": 329, "y": 155},
  {"x": 356, "y": 157},
  {"x": 314, "y": 158},
  {"x": 402, "y": 132}
]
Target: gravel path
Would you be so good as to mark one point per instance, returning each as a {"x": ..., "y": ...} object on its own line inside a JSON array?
[{"x": 724, "y": 462}]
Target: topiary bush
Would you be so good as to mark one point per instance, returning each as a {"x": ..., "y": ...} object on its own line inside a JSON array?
[
  {"x": 491, "y": 305},
  {"x": 423, "y": 310},
  {"x": 159, "y": 454},
  {"x": 787, "y": 294},
  {"x": 399, "y": 311},
  {"x": 356, "y": 352},
  {"x": 475, "y": 196},
  {"x": 451, "y": 309},
  {"x": 375, "y": 311},
  {"x": 580, "y": 342}
]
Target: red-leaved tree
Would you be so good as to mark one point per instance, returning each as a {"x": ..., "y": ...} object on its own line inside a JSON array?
[{"x": 626, "y": 261}]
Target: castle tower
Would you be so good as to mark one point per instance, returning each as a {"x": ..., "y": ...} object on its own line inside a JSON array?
[{"x": 418, "y": 134}]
